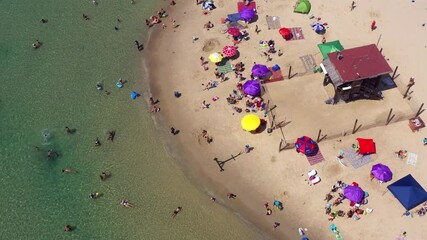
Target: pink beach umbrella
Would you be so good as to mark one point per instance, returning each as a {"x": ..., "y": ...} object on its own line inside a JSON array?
[
  {"x": 229, "y": 51},
  {"x": 234, "y": 31}
]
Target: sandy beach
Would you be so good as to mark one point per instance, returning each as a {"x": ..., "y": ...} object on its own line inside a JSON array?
[{"x": 267, "y": 174}]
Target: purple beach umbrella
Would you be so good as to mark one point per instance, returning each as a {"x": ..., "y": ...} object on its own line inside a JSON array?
[
  {"x": 247, "y": 14},
  {"x": 259, "y": 70},
  {"x": 354, "y": 193},
  {"x": 252, "y": 87},
  {"x": 382, "y": 172}
]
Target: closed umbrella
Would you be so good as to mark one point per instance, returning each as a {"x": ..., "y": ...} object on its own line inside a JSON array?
[
  {"x": 252, "y": 87},
  {"x": 215, "y": 57},
  {"x": 250, "y": 122},
  {"x": 354, "y": 193},
  {"x": 259, "y": 70},
  {"x": 233, "y": 31},
  {"x": 382, "y": 172},
  {"x": 229, "y": 51},
  {"x": 247, "y": 14}
]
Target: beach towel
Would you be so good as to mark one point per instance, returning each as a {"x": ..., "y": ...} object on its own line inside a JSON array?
[
  {"x": 234, "y": 17},
  {"x": 241, "y": 5},
  {"x": 275, "y": 76},
  {"x": 412, "y": 159},
  {"x": 225, "y": 68},
  {"x": 297, "y": 34},
  {"x": 355, "y": 159},
  {"x": 273, "y": 22},
  {"x": 316, "y": 158},
  {"x": 239, "y": 24},
  {"x": 308, "y": 62}
]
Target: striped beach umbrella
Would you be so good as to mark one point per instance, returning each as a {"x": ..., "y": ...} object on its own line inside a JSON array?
[{"x": 229, "y": 51}]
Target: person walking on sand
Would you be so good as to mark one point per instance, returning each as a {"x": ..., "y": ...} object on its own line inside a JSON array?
[
  {"x": 425, "y": 141},
  {"x": 67, "y": 170},
  {"x": 353, "y": 5},
  {"x": 256, "y": 29},
  {"x": 176, "y": 211},
  {"x": 173, "y": 130},
  {"x": 276, "y": 224},
  {"x": 373, "y": 25},
  {"x": 202, "y": 60}
]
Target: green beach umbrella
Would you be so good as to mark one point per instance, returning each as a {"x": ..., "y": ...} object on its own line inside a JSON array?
[
  {"x": 303, "y": 6},
  {"x": 330, "y": 47}
]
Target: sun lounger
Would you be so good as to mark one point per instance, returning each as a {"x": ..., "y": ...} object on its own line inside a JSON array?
[
  {"x": 315, "y": 180},
  {"x": 312, "y": 173}
]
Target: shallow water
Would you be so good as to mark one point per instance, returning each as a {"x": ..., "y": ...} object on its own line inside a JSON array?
[{"x": 46, "y": 89}]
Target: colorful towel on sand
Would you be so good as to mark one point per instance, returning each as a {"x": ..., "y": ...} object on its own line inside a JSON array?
[
  {"x": 241, "y": 5},
  {"x": 297, "y": 33},
  {"x": 316, "y": 158},
  {"x": 234, "y": 17},
  {"x": 412, "y": 159},
  {"x": 275, "y": 76},
  {"x": 226, "y": 68},
  {"x": 355, "y": 159},
  {"x": 273, "y": 22}
]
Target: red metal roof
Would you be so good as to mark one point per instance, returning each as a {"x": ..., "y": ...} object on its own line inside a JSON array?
[{"x": 360, "y": 63}]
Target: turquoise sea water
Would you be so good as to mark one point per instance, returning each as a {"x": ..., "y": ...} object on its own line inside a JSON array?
[{"x": 46, "y": 89}]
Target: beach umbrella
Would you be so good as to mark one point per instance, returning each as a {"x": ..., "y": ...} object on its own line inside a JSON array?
[
  {"x": 382, "y": 172},
  {"x": 229, "y": 51},
  {"x": 247, "y": 14},
  {"x": 354, "y": 193},
  {"x": 286, "y": 33},
  {"x": 259, "y": 70},
  {"x": 252, "y": 87},
  {"x": 215, "y": 57},
  {"x": 318, "y": 27},
  {"x": 306, "y": 145},
  {"x": 250, "y": 122},
  {"x": 233, "y": 31}
]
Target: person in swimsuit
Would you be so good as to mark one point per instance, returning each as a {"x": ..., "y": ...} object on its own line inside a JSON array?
[{"x": 176, "y": 211}]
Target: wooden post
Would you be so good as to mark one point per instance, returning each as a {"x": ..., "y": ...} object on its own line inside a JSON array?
[
  {"x": 394, "y": 73},
  {"x": 289, "y": 73},
  {"x": 381, "y": 50},
  {"x": 407, "y": 91},
  {"x": 389, "y": 117},
  {"x": 420, "y": 110},
  {"x": 318, "y": 135},
  {"x": 379, "y": 38},
  {"x": 354, "y": 127}
]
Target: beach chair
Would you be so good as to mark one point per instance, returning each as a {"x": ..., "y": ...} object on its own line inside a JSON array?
[
  {"x": 315, "y": 180},
  {"x": 312, "y": 173}
]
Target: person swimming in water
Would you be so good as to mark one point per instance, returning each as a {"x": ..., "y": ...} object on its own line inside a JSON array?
[
  {"x": 68, "y": 228},
  {"x": 126, "y": 203},
  {"x": 51, "y": 153},
  {"x": 111, "y": 135},
  {"x": 98, "y": 86},
  {"x": 97, "y": 142},
  {"x": 67, "y": 170},
  {"x": 104, "y": 175},
  {"x": 94, "y": 195},
  {"x": 176, "y": 211}
]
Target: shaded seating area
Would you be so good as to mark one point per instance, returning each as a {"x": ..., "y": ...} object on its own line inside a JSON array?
[
  {"x": 408, "y": 191},
  {"x": 356, "y": 73}
]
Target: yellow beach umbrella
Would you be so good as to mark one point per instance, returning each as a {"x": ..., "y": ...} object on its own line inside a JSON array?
[
  {"x": 250, "y": 122},
  {"x": 215, "y": 57}
]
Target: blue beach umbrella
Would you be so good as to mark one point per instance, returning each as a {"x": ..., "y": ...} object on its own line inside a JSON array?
[{"x": 318, "y": 27}]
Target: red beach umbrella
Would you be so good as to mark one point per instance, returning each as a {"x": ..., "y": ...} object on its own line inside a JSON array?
[
  {"x": 229, "y": 51},
  {"x": 234, "y": 31},
  {"x": 286, "y": 33}
]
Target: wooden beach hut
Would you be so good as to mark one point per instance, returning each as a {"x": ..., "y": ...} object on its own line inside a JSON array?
[{"x": 356, "y": 73}]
